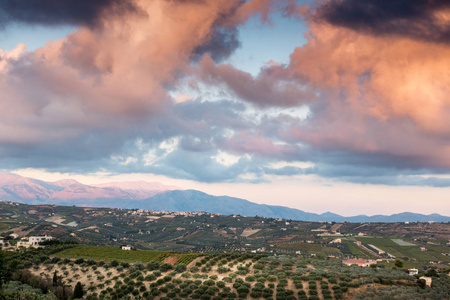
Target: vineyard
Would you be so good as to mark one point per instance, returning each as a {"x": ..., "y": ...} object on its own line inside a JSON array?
[
  {"x": 187, "y": 258},
  {"x": 114, "y": 253}
]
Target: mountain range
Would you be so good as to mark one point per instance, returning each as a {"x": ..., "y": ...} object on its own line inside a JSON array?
[{"x": 157, "y": 196}]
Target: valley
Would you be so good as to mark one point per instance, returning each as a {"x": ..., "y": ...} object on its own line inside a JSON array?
[{"x": 139, "y": 254}]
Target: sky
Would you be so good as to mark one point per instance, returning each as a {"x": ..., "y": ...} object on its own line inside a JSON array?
[{"x": 326, "y": 105}]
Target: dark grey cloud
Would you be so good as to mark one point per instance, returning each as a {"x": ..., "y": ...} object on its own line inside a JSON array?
[
  {"x": 84, "y": 153},
  {"x": 412, "y": 18},
  {"x": 224, "y": 41},
  {"x": 396, "y": 180},
  {"x": 285, "y": 171},
  {"x": 355, "y": 168},
  {"x": 58, "y": 12},
  {"x": 200, "y": 128}
]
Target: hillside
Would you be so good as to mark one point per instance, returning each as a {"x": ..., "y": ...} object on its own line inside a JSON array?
[
  {"x": 169, "y": 275},
  {"x": 214, "y": 233},
  {"x": 157, "y": 196}
]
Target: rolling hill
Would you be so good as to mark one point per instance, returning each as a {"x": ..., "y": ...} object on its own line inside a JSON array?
[{"x": 157, "y": 196}]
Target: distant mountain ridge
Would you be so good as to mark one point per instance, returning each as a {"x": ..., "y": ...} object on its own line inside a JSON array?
[
  {"x": 32, "y": 191},
  {"x": 192, "y": 200},
  {"x": 160, "y": 197}
]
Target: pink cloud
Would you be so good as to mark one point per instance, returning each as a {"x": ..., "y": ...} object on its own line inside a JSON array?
[
  {"x": 107, "y": 75},
  {"x": 245, "y": 142},
  {"x": 377, "y": 94},
  {"x": 386, "y": 77},
  {"x": 270, "y": 88},
  {"x": 385, "y": 95}
]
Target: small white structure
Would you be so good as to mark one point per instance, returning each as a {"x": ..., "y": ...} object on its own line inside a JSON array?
[
  {"x": 413, "y": 272},
  {"x": 428, "y": 280},
  {"x": 36, "y": 240},
  {"x": 23, "y": 243},
  {"x": 127, "y": 247}
]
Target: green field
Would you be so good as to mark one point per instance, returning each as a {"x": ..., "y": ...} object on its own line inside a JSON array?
[
  {"x": 412, "y": 252},
  {"x": 113, "y": 253},
  {"x": 260, "y": 233},
  {"x": 401, "y": 242},
  {"x": 3, "y": 227},
  {"x": 357, "y": 250},
  {"x": 379, "y": 242},
  {"x": 313, "y": 248},
  {"x": 187, "y": 258}
]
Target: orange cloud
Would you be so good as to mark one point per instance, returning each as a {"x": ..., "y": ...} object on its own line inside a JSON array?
[
  {"x": 117, "y": 70},
  {"x": 387, "y": 77},
  {"x": 384, "y": 95}
]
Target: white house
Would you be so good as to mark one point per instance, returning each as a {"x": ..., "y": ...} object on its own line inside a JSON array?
[
  {"x": 24, "y": 242},
  {"x": 36, "y": 240},
  {"x": 127, "y": 247},
  {"x": 413, "y": 272}
]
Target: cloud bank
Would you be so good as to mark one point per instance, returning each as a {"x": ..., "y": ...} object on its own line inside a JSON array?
[
  {"x": 365, "y": 100},
  {"x": 45, "y": 12}
]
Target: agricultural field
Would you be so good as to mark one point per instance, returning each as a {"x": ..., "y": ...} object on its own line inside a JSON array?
[
  {"x": 214, "y": 234},
  {"x": 186, "y": 259},
  {"x": 407, "y": 249},
  {"x": 206, "y": 256},
  {"x": 310, "y": 248},
  {"x": 356, "y": 251},
  {"x": 208, "y": 276},
  {"x": 401, "y": 242},
  {"x": 114, "y": 253}
]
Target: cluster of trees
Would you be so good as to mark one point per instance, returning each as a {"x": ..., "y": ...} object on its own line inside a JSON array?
[
  {"x": 439, "y": 291},
  {"x": 56, "y": 286},
  {"x": 247, "y": 276}
]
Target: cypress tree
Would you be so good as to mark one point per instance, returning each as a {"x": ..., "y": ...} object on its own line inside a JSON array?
[
  {"x": 78, "y": 291},
  {"x": 55, "y": 278}
]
